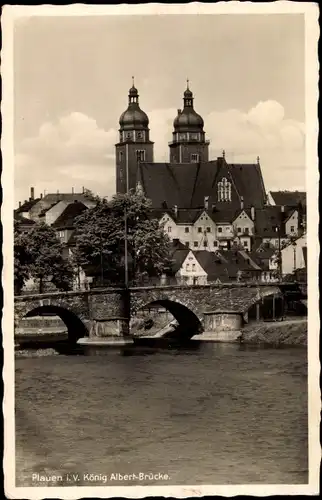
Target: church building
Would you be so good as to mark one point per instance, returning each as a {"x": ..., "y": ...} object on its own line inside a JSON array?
[{"x": 189, "y": 180}]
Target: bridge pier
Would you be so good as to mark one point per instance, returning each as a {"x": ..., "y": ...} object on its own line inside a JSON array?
[
  {"x": 109, "y": 324},
  {"x": 221, "y": 326}
]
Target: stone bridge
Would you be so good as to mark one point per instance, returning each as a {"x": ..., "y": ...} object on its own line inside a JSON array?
[{"x": 107, "y": 312}]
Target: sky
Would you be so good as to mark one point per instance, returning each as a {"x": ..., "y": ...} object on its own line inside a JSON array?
[{"x": 72, "y": 76}]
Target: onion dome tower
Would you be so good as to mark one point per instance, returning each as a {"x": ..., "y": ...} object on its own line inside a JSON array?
[
  {"x": 134, "y": 144},
  {"x": 188, "y": 138}
]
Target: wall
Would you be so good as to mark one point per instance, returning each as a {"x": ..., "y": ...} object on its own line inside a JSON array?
[
  {"x": 293, "y": 221},
  {"x": 288, "y": 256}
]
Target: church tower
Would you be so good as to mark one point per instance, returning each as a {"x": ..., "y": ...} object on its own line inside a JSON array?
[
  {"x": 188, "y": 138},
  {"x": 134, "y": 144}
]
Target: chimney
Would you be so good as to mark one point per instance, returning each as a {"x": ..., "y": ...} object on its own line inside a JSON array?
[
  {"x": 282, "y": 208},
  {"x": 32, "y": 193},
  {"x": 252, "y": 212},
  {"x": 72, "y": 190},
  {"x": 83, "y": 190},
  {"x": 175, "y": 209},
  {"x": 40, "y": 195},
  {"x": 19, "y": 204},
  {"x": 206, "y": 202},
  {"x": 242, "y": 203}
]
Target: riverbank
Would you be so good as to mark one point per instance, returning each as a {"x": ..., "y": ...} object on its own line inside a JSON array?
[{"x": 288, "y": 333}]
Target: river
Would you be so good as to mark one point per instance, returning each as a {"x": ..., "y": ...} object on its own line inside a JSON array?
[{"x": 213, "y": 414}]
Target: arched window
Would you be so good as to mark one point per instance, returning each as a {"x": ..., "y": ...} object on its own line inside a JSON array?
[{"x": 224, "y": 190}]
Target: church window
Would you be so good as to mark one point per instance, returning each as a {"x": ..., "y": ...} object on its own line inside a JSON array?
[
  {"x": 195, "y": 158},
  {"x": 140, "y": 155},
  {"x": 186, "y": 230},
  {"x": 224, "y": 190},
  {"x": 199, "y": 229},
  {"x": 128, "y": 135},
  {"x": 139, "y": 135},
  {"x": 120, "y": 155}
]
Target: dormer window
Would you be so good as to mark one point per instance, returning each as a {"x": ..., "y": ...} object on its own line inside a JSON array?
[
  {"x": 224, "y": 190},
  {"x": 194, "y": 158}
]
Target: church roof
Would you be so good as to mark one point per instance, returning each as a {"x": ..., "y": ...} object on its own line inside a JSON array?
[{"x": 186, "y": 184}]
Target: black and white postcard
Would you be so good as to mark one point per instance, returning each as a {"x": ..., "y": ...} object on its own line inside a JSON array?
[{"x": 160, "y": 222}]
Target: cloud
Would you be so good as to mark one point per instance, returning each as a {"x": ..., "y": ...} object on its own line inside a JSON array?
[{"x": 74, "y": 151}]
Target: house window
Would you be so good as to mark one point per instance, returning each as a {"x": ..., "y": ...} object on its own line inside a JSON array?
[
  {"x": 224, "y": 190},
  {"x": 199, "y": 229},
  {"x": 187, "y": 267},
  {"x": 195, "y": 243},
  {"x": 205, "y": 243},
  {"x": 219, "y": 229},
  {"x": 186, "y": 230},
  {"x": 193, "y": 267},
  {"x": 195, "y": 158},
  {"x": 292, "y": 229},
  {"x": 140, "y": 155},
  {"x": 245, "y": 243},
  {"x": 120, "y": 155},
  {"x": 239, "y": 229},
  {"x": 208, "y": 230},
  {"x": 215, "y": 243},
  {"x": 169, "y": 229},
  {"x": 187, "y": 244},
  {"x": 246, "y": 229}
]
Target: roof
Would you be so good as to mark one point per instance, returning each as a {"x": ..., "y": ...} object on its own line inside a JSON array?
[
  {"x": 45, "y": 210},
  {"x": 27, "y": 205},
  {"x": 178, "y": 258},
  {"x": 67, "y": 218},
  {"x": 23, "y": 220},
  {"x": 186, "y": 184},
  {"x": 55, "y": 197},
  {"x": 268, "y": 219},
  {"x": 290, "y": 198}
]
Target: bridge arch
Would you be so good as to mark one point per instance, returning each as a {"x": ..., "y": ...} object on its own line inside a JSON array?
[
  {"x": 75, "y": 326},
  {"x": 189, "y": 323}
]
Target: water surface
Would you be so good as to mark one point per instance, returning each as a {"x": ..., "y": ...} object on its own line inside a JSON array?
[{"x": 218, "y": 414}]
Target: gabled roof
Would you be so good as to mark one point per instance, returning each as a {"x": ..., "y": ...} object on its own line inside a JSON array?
[
  {"x": 23, "y": 220},
  {"x": 249, "y": 182},
  {"x": 45, "y": 210},
  {"x": 55, "y": 197},
  {"x": 27, "y": 205},
  {"x": 186, "y": 184},
  {"x": 67, "y": 218},
  {"x": 290, "y": 198},
  {"x": 178, "y": 257}
]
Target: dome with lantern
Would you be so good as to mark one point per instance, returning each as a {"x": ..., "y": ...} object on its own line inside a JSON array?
[
  {"x": 187, "y": 119},
  {"x": 133, "y": 118}
]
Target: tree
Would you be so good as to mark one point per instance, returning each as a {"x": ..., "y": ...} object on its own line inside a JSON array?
[
  {"x": 21, "y": 259},
  {"x": 45, "y": 258},
  {"x": 100, "y": 240}
]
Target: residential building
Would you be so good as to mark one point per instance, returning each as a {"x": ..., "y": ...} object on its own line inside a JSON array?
[{"x": 294, "y": 255}]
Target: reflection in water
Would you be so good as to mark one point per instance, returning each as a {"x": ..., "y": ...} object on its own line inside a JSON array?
[{"x": 202, "y": 413}]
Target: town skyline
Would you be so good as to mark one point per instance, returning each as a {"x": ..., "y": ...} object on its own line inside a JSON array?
[{"x": 70, "y": 94}]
